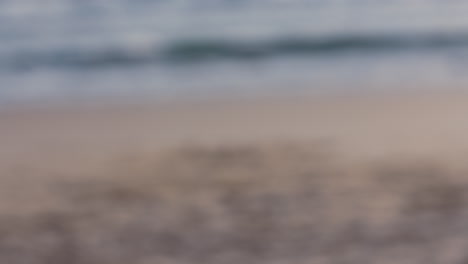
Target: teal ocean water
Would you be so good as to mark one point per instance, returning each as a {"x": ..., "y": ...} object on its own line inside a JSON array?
[{"x": 64, "y": 49}]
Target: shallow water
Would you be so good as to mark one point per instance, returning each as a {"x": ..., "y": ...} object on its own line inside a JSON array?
[{"x": 59, "y": 49}]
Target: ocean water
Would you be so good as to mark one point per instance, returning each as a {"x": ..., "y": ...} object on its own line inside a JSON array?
[{"x": 69, "y": 49}]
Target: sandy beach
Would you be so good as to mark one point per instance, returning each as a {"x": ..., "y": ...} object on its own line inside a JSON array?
[{"x": 325, "y": 179}]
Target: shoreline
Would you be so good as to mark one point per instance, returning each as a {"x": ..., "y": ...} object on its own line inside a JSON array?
[
  {"x": 285, "y": 118},
  {"x": 46, "y": 143},
  {"x": 296, "y": 180}
]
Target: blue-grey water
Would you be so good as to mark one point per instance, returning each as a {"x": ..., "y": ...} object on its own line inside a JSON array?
[{"x": 62, "y": 49}]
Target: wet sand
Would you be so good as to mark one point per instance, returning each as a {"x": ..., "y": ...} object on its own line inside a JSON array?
[{"x": 331, "y": 179}]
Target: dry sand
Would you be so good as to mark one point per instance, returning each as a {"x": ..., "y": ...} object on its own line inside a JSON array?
[{"x": 337, "y": 179}]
